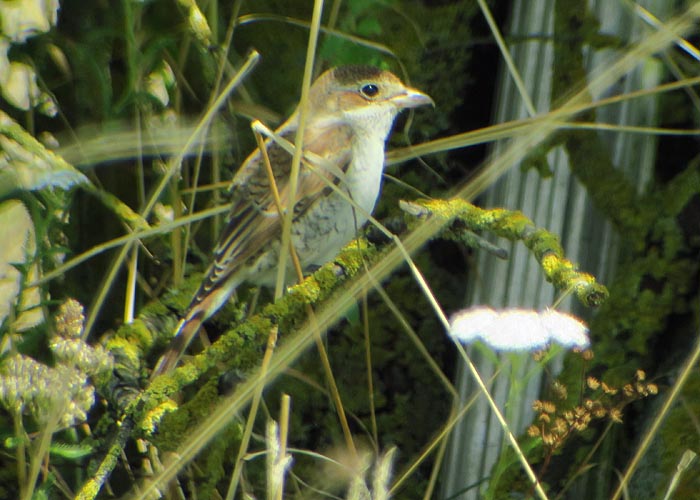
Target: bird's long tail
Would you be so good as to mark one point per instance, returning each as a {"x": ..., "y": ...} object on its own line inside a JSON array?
[
  {"x": 214, "y": 291},
  {"x": 185, "y": 332}
]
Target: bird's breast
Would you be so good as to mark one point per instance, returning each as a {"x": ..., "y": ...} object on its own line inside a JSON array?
[
  {"x": 333, "y": 221},
  {"x": 364, "y": 175}
]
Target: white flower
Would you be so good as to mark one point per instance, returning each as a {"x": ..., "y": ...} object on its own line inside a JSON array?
[
  {"x": 516, "y": 329},
  {"x": 565, "y": 329}
]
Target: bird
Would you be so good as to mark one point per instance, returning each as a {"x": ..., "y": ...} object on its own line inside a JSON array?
[{"x": 351, "y": 110}]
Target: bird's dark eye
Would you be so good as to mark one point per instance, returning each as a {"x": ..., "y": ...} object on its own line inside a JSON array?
[{"x": 369, "y": 90}]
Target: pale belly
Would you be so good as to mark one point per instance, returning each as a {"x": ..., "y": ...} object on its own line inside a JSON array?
[
  {"x": 327, "y": 228},
  {"x": 328, "y": 225}
]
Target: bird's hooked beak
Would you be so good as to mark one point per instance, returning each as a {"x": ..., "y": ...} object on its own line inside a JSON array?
[{"x": 412, "y": 98}]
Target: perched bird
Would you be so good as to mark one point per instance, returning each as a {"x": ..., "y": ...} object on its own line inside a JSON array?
[{"x": 351, "y": 110}]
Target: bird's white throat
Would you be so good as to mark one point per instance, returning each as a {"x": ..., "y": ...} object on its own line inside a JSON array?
[{"x": 371, "y": 127}]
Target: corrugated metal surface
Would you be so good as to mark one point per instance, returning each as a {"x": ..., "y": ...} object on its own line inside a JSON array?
[{"x": 559, "y": 204}]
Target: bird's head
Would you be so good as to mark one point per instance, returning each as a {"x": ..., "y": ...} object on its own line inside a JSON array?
[{"x": 364, "y": 97}]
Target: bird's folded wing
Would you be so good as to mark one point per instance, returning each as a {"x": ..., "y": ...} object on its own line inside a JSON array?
[{"x": 254, "y": 220}]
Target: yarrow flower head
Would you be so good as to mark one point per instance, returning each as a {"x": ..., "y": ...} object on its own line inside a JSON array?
[
  {"x": 29, "y": 387},
  {"x": 69, "y": 349},
  {"x": 515, "y": 329}
]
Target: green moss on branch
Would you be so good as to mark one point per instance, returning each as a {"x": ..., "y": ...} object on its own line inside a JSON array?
[{"x": 515, "y": 226}]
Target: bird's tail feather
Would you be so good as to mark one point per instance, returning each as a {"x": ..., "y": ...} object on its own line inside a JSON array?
[
  {"x": 185, "y": 332},
  {"x": 212, "y": 294}
]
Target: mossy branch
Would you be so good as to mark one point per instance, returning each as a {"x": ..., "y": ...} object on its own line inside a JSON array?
[
  {"x": 511, "y": 224},
  {"x": 241, "y": 346}
]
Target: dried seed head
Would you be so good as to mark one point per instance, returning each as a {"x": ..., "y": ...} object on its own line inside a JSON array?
[{"x": 593, "y": 383}]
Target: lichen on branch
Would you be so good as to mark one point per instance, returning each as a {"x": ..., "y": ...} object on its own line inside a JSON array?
[{"x": 513, "y": 225}]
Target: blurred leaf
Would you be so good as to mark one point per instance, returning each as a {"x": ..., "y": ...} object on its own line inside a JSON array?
[
  {"x": 159, "y": 81},
  {"x": 26, "y": 164},
  {"x": 22, "y": 19},
  {"x": 71, "y": 451},
  {"x": 18, "y": 85},
  {"x": 17, "y": 248}
]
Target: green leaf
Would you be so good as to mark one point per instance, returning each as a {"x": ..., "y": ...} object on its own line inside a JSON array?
[{"x": 71, "y": 451}]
